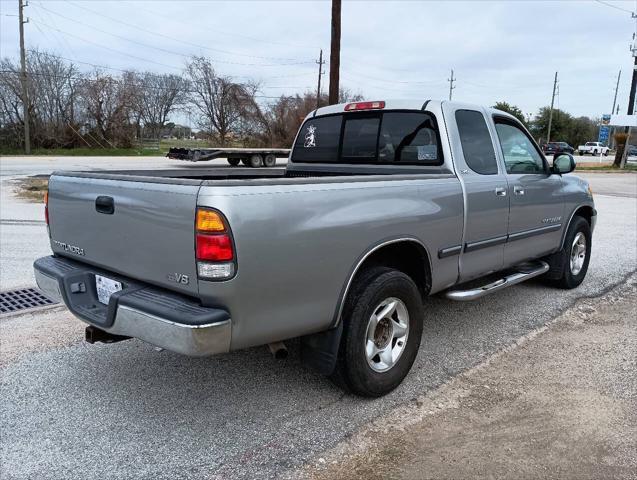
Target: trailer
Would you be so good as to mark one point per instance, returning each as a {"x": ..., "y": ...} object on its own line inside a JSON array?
[{"x": 250, "y": 157}]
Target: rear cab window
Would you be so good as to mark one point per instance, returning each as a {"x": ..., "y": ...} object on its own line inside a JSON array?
[{"x": 376, "y": 138}]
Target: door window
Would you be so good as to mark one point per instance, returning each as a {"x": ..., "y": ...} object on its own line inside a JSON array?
[
  {"x": 476, "y": 142},
  {"x": 520, "y": 154}
]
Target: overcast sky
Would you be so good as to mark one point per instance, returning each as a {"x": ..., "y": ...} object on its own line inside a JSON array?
[{"x": 499, "y": 50}]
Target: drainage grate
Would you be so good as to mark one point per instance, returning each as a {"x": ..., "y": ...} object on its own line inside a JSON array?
[{"x": 22, "y": 299}]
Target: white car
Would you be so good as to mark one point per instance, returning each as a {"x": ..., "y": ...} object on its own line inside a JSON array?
[{"x": 594, "y": 148}]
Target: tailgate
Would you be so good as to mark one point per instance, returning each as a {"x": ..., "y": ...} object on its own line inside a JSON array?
[{"x": 148, "y": 234}]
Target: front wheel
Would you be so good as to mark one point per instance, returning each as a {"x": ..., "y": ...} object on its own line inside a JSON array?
[
  {"x": 568, "y": 267},
  {"x": 381, "y": 335},
  {"x": 234, "y": 161}
]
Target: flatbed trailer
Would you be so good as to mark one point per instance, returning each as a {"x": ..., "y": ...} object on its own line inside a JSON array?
[{"x": 250, "y": 157}]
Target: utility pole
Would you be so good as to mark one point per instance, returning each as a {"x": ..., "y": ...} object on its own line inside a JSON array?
[
  {"x": 23, "y": 80},
  {"x": 548, "y": 133},
  {"x": 612, "y": 110},
  {"x": 320, "y": 62},
  {"x": 616, "y": 90},
  {"x": 451, "y": 87},
  {"x": 335, "y": 52},
  {"x": 633, "y": 87}
]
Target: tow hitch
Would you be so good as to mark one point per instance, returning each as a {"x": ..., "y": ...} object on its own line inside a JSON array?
[{"x": 94, "y": 335}]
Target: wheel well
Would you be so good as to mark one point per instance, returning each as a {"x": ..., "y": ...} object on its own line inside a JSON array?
[
  {"x": 585, "y": 212},
  {"x": 408, "y": 256}
]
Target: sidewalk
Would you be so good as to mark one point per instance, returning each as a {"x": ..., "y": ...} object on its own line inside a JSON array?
[{"x": 562, "y": 404}]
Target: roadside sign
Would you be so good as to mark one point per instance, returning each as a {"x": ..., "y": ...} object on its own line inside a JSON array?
[
  {"x": 604, "y": 133},
  {"x": 623, "y": 120},
  {"x": 606, "y": 119}
]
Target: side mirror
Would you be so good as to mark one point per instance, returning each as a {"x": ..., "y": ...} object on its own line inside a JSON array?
[{"x": 563, "y": 163}]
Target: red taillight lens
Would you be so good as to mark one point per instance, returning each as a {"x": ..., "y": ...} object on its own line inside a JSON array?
[
  {"x": 215, "y": 248},
  {"x": 364, "y": 106},
  {"x": 46, "y": 207}
]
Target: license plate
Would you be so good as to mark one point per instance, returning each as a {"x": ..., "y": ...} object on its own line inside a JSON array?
[{"x": 105, "y": 288}]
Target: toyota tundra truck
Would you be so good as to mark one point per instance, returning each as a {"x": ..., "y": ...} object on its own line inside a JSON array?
[{"x": 382, "y": 204}]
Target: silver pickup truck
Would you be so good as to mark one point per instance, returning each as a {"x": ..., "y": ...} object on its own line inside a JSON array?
[{"x": 381, "y": 205}]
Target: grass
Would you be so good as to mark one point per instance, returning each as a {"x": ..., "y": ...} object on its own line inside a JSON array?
[
  {"x": 90, "y": 152},
  {"x": 32, "y": 188},
  {"x": 630, "y": 167}
]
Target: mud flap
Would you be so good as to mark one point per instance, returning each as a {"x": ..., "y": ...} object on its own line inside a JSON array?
[{"x": 320, "y": 350}]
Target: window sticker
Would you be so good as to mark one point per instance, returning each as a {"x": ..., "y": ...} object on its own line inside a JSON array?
[
  {"x": 427, "y": 152},
  {"x": 310, "y": 137}
]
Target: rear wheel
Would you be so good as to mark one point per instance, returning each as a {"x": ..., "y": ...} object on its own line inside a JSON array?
[
  {"x": 256, "y": 161},
  {"x": 270, "y": 160},
  {"x": 234, "y": 161},
  {"x": 381, "y": 334},
  {"x": 568, "y": 267}
]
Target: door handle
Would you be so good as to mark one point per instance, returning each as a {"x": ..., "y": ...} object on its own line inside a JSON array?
[
  {"x": 104, "y": 204},
  {"x": 501, "y": 192},
  {"x": 518, "y": 190}
]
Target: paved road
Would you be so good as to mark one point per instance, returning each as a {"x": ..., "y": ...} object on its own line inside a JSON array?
[{"x": 127, "y": 410}]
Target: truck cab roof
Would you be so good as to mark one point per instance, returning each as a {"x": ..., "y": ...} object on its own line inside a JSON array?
[{"x": 407, "y": 104}]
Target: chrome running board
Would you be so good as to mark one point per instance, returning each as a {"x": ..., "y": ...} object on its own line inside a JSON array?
[{"x": 525, "y": 272}]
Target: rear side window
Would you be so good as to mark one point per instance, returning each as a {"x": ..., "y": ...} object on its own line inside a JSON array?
[
  {"x": 477, "y": 147},
  {"x": 408, "y": 138},
  {"x": 318, "y": 140}
]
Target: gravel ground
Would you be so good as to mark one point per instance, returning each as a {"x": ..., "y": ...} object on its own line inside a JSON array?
[
  {"x": 561, "y": 403},
  {"x": 126, "y": 410}
]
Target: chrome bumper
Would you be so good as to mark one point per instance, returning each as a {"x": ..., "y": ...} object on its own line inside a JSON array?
[{"x": 193, "y": 340}]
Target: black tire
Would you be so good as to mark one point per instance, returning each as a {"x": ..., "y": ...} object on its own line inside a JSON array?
[
  {"x": 246, "y": 162},
  {"x": 255, "y": 161},
  {"x": 234, "y": 161},
  {"x": 269, "y": 160},
  {"x": 560, "y": 274},
  {"x": 353, "y": 371}
]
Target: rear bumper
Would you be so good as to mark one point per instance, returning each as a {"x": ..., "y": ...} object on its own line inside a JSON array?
[{"x": 151, "y": 314}]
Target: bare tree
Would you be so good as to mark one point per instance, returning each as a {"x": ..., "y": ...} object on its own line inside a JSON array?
[
  {"x": 159, "y": 96},
  {"x": 220, "y": 102},
  {"x": 11, "y": 122},
  {"x": 107, "y": 103}
]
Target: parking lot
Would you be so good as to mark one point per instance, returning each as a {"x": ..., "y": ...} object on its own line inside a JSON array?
[{"x": 114, "y": 411}]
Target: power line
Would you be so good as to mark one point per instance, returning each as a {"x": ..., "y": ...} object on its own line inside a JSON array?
[
  {"x": 165, "y": 50},
  {"x": 602, "y": 2},
  {"x": 190, "y": 25},
  {"x": 120, "y": 82},
  {"x": 179, "y": 40}
]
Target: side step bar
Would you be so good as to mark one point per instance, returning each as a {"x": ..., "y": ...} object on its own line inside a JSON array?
[{"x": 525, "y": 272}]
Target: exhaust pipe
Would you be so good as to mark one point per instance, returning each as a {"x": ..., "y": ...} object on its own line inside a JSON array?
[
  {"x": 94, "y": 335},
  {"x": 278, "y": 350}
]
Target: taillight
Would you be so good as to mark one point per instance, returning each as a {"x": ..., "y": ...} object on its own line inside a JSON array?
[
  {"x": 216, "y": 248},
  {"x": 364, "y": 106},
  {"x": 46, "y": 207},
  {"x": 213, "y": 246}
]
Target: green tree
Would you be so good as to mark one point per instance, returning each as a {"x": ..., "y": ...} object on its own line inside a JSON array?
[
  {"x": 512, "y": 109},
  {"x": 564, "y": 127}
]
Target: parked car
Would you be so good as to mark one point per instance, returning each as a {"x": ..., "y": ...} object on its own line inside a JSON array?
[
  {"x": 594, "y": 148},
  {"x": 382, "y": 204},
  {"x": 555, "y": 148}
]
